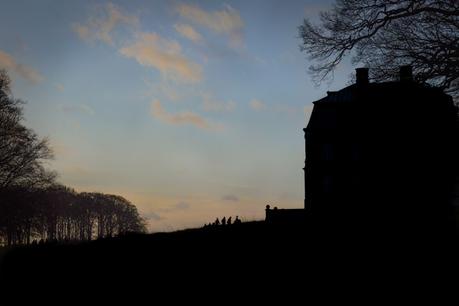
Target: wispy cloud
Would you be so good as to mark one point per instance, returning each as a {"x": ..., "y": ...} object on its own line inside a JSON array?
[
  {"x": 182, "y": 118},
  {"x": 59, "y": 87},
  {"x": 182, "y": 206},
  {"x": 210, "y": 104},
  {"x": 152, "y": 50},
  {"x": 9, "y": 63},
  {"x": 77, "y": 109},
  {"x": 226, "y": 21},
  {"x": 230, "y": 198},
  {"x": 164, "y": 88},
  {"x": 103, "y": 22},
  {"x": 179, "y": 206},
  {"x": 257, "y": 105},
  {"x": 152, "y": 216},
  {"x": 189, "y": 32}
]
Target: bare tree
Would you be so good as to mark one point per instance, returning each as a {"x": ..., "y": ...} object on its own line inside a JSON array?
[
  {"x": 385, "y": 34},
  {"x": 22, "y": 152}
]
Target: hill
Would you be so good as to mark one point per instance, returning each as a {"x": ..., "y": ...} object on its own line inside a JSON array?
[{"x": 227, "y": 260}]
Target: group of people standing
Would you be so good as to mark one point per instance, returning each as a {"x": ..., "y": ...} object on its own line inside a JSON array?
[{"x": 224, "y": 222}]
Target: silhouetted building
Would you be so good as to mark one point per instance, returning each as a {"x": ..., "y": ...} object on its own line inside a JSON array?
[
  {"x": 381, "y": 157},
  {"x": 285, "y": 216}
]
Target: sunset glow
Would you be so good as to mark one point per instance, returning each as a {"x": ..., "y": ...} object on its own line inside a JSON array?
[{"x": 191, "y": 110}]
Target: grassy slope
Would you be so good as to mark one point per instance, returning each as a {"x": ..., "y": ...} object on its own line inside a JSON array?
[{"x": 224, "y": 260}]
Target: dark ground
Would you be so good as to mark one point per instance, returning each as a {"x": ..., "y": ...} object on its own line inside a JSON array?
[{"x": 254, "y": 258}]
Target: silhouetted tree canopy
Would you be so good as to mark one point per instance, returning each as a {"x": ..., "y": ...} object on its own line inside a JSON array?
[
  {"x": 59, "y": 213},
  {"x": 385, "y": 34},
  {"x": 22, "y": 152}
]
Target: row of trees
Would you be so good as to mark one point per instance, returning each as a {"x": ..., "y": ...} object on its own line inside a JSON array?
[
  {"x": 59, "y": 213},
  {"x": 32, "y": 205}
]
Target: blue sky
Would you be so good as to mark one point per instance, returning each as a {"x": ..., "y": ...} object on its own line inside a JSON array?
[{"x": 191, "y": 110}]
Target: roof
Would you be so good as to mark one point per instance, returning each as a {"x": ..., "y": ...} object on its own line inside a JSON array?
[{"x": 355, "y": 91}]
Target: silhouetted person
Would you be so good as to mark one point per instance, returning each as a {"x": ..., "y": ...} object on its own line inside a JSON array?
[
  {"x": 229, "y": 221},
  {"x": 224, "y": 221},
  {"x": 237, "y": 220}
]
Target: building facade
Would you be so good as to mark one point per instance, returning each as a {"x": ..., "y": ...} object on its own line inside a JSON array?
[{"x": 382, "y": 156}]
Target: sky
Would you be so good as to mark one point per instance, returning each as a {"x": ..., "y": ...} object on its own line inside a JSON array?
[{"x": 190, "y": 110}]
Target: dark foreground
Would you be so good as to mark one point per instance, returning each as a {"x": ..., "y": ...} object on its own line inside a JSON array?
[{"x": 252, "y": 258}]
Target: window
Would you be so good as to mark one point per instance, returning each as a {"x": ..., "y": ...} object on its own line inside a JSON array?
[
  {"x": 327, "y": 152},
  {"x": 327, "y": 183}
]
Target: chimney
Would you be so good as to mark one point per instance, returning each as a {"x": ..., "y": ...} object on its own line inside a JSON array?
[
  {"x": 361, "y": 76},
  {"x": 406, "y": 73}
]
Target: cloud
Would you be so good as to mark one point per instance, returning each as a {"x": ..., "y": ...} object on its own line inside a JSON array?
[
  {"x": 152, "y": 50},
  {"x": 152, "y": 216},
  {"x": 210, "y": 104},
  {"x": 101, "y": 25},
  {"x": 182, "y": 206},
  {"x": 189, "y": 32},
  {"x": 226, "y": 21},
  {"x": 59, "y": 87},
  {"x": 231, "y": 198},
  {"x": 77, "y": 109},
  {"x": 9, "y": 63},
  {"x": 257, "y": 105},
  {"x": 163, "y": 88},
  {"x": 148, "y": 49},
  {"x": 182, "y": 118}
]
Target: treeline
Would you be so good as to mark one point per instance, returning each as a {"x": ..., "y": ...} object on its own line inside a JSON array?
[
  {"x": 33, "y": 206},
  {"x": 58, "y": 213}
]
